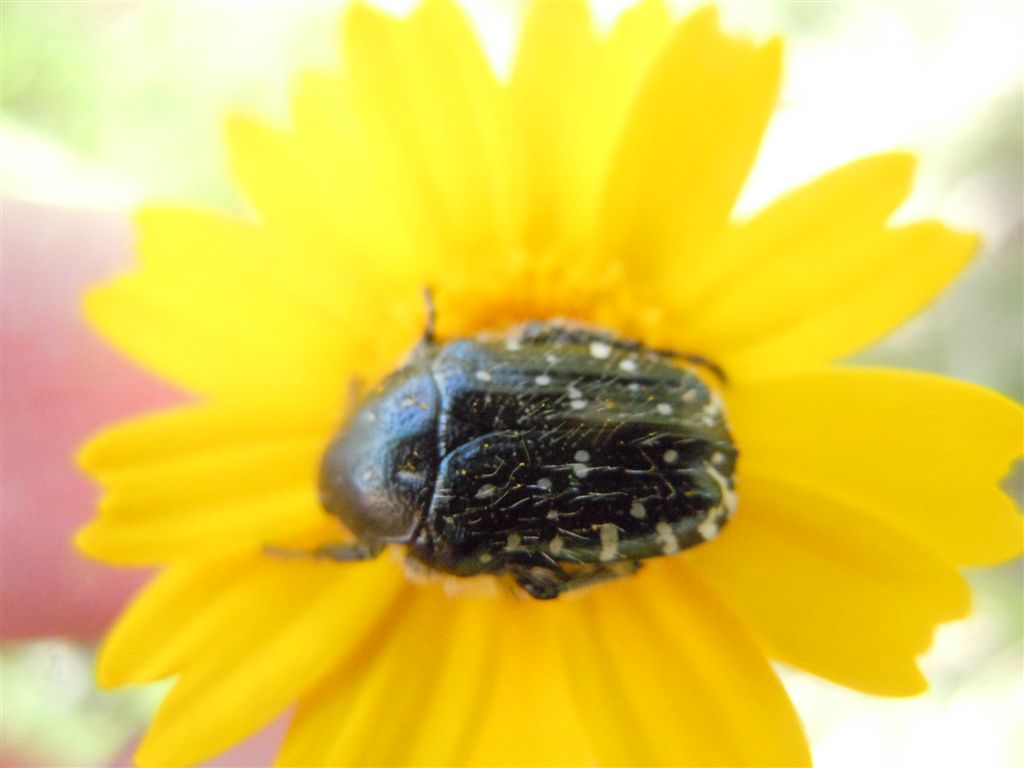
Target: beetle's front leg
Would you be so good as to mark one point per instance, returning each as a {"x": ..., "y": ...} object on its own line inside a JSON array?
[
  {"x": 544, "y": 582},
  {"x": 338, "y": 551}
]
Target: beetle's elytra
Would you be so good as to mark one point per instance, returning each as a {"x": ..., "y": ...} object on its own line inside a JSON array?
[{"x": 555, "y": 453}]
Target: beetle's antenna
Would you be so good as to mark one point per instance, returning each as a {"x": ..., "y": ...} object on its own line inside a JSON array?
[
  {"x": 428, "y": 332},
  {"x": 704, "y": 362},
  {"x": 700, "y": 360}
]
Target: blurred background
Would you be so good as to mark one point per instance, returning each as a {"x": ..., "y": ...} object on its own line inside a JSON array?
[{"x": 108, "y": 104}]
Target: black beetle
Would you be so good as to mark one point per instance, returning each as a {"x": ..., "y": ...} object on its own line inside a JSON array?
[{"x": 554, "y": 452}]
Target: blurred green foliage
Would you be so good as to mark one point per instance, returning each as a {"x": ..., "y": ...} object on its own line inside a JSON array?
[{"x": 141, "y": 88}]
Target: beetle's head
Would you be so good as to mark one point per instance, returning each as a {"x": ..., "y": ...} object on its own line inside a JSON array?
[{"x": 378, "y": 474}]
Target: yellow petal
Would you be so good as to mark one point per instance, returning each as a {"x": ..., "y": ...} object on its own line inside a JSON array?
[
  {"x": 444, "y": 734},
  {"x": 687, "y": 146},
  {"x": 215, "y": 251},
  {"x": 572, "y": 94},
  {"x": 926, "y": 257},
  {"x": 412, "y": 697},
  {"x": 825, "y": 221},
  {"x": 665, "y": 675},
  {"x": 128, "y": 532},
  {"x": 922, "y": 453},
  {"x": 530, "y": 716},
  {"x": 168, "y": 621},
  {"x": 277, "y": 630},
  {"x": 814, "y": 276},
  {"x": 321, "y": 185},
  {"x": 223, "y": 309},
  {"x": 250, "y": 481},
  {"x": 180, "y": 432},
  {"x": 557, "y": 53},
  {"x": 325, "y": 293},
  {"x": 423, "y": 87},
  {"x": 829, "y": 588},
  {"x": 821, "y": 309}
]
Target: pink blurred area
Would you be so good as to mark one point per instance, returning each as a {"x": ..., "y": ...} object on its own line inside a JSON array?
[{"x": 59, "y": 384}]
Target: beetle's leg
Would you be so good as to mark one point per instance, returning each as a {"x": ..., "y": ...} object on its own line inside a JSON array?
[
  {"x": 338, "y": 551},
  {"x": 355, "y": 392},
  {"x": 536, "y": 572},
  {"x": 539, "y": 582},
  {"x": 598, "y": 573},
  {"x": 544, "y": 578},
  {"x": 428, "y": 332}
]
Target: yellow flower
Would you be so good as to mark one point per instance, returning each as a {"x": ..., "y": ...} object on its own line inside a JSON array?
[{"x": 596, "y": 185}]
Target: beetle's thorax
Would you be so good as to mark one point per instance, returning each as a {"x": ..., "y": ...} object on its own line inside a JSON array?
[{"x": 378, "y": 474}]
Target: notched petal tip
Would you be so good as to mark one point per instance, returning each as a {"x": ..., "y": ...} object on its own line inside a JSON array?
[
  {"x": 903, "y": 163},
  {"x": 247, "y": 138},
  {"x": 87, "y": 457},
  {"x": 706, "y": 16},
  {"x": 83, "y": 540},
  {"x": 158, "y": 220},
  {"x": 94, "y": 541},
  {"x": 968, "y": 243},
  {"x": 95, "y": 308},
  {"x": 912, "y": 681},
  {"x": 149, "y": 215},
  {"x": 706, "y": 21},
  {"x": 772, "y": 52},
  {"x": 357, "y": 17}
]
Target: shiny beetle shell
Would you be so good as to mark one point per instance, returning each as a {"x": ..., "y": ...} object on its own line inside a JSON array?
[{"x": 558, "y": 454}]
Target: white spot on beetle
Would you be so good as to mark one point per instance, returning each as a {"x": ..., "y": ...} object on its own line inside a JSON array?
[
  {"x": 367, "y": 475},
  {"x": 483, "y": 375},
  {"x": 582, "y": 456},
  {"x": 717, "y": 457},
  {"x": 543, "y": 380},
  {"x": 712, "y": 410},
  {"x": 580, "y": 470},
  {"x": 628, "y": 365},
  {"x": 638, "y": 510},
  {"x": 411, "y": 477},
  {"x": 667, "y": 537},
  {"x": 573, "y": 392},
  {"x": 486, "y": 557},
  {"x": 728, "y": 494},
  {"x": 486, "y": 491},
  {"x": 553, "y": 514},
  {"x": 513, "y": 542},
  {"x": 513, "y": 345},
  {"x": 600, "y": 350},
  {"x": 633, "y": 386},
  {"x": 710, "y": 528},
  {"x": 671, "y": 456},
  {"x": 689, "y": 395},
  {"x": 370, "y": 416},
  {"x": 556, "y": 546},
  {"x": 408, "y": 402},
  {"x": 664, "y": 409},
  {"x": 609, "y": 542},
  {"x": 544, "y": 483},
  {"x": 551, "y": 358},
  {"x": 577, "y": 405}
]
